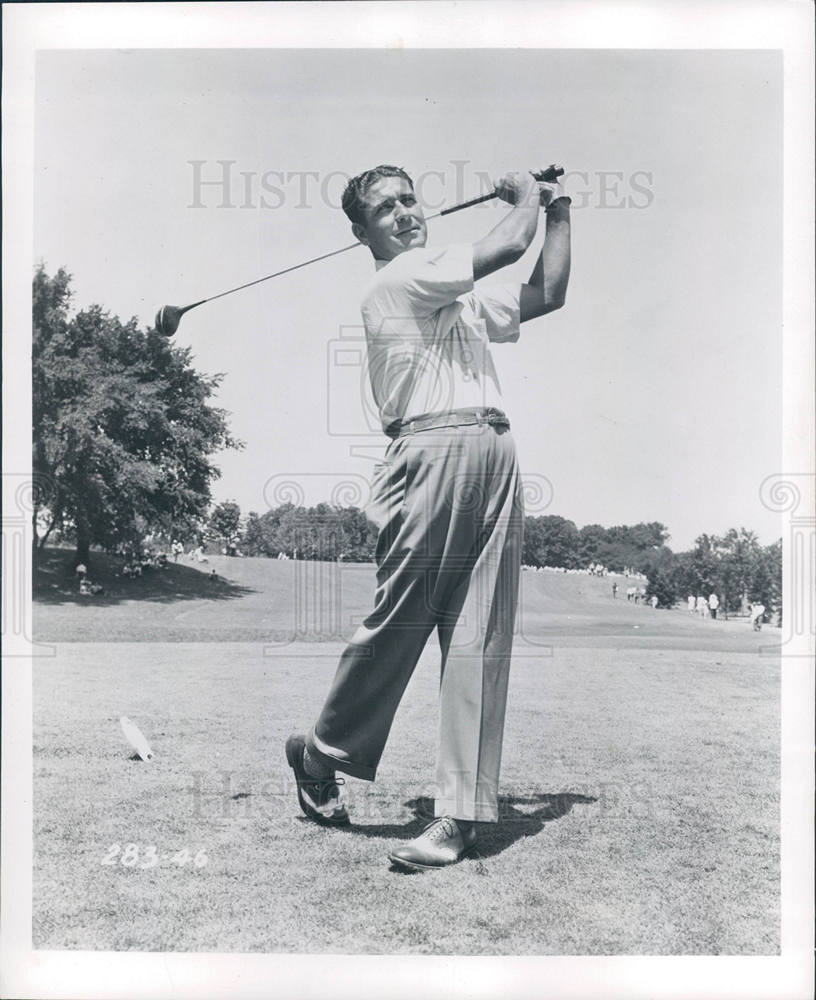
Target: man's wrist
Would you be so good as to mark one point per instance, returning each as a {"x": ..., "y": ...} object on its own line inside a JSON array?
[{"x": 559, "y": 207}]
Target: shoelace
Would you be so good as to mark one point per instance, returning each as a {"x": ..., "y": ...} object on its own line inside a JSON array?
[
  {"x": 328, "y": 786},
  {"x": 333, "y": 780},
  {"x": 442, "y": 829},
  {"x": 334, "y": 791}
]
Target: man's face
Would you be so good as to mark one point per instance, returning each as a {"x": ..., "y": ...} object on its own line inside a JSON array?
[{"x": 394, "y": 220}]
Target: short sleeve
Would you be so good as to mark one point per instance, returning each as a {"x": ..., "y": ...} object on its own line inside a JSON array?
[
  {"x": 421, "y": 281},
  {"x": 500, "y": 308}
]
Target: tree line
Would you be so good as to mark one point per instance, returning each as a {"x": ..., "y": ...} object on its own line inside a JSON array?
[{"x": 735, "y": 566}]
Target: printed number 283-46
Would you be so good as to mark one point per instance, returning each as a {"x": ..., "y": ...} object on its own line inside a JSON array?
[{"x": 134, "y": 856}]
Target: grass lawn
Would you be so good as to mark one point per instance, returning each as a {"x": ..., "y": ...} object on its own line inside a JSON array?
[
  {"x": 267, "y": 601},
  {"x": 640, "y": 781}
]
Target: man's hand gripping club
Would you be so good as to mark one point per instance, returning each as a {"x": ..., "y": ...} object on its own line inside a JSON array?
[{"x": 508, "y": 241}]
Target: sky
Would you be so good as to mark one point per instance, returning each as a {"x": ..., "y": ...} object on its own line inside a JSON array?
[{"x": 655, "y": 394}]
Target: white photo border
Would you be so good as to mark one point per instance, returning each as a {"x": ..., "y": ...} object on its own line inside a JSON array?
[{"x": 786, "y": 25}]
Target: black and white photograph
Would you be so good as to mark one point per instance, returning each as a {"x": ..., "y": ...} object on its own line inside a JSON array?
[{"x": 409, "y": 539}]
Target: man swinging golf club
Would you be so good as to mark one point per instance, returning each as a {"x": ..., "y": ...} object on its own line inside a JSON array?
[{"x": 447, "y": 502}]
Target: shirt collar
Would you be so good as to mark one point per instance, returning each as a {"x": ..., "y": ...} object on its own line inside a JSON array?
[{"x": 380, "y": 264}]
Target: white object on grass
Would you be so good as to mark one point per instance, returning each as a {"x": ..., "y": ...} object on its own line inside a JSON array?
[{"x": 135, "y": 738}]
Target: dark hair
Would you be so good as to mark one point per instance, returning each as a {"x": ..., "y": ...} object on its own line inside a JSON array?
[{"x": 357, "y": 188}]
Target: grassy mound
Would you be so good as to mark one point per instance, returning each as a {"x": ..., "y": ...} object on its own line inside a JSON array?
[{"x": 282, "y": 601}]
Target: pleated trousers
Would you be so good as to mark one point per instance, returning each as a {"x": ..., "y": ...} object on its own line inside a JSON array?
[{"x": 448, "y": 504}]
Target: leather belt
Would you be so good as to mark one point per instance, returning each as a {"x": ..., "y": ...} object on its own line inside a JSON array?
[{"x": 483, "y": 415}]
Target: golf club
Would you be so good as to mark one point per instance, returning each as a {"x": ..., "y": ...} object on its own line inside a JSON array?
[{"x": 169, "y": 317}]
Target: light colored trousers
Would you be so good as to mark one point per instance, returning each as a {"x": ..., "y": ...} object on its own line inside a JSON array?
[{"x": 448, "y": 504}]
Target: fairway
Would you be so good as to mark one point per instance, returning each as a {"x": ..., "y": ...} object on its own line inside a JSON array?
[{"x": 640, "y": 778}]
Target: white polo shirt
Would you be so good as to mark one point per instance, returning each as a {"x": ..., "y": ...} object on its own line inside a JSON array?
[{"x": 428, "y": 333}]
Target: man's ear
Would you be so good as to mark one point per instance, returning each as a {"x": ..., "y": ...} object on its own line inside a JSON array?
[{"x": 359, "y": 231}]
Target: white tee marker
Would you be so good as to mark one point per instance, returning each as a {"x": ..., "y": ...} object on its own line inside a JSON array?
[{"x": 135, "y": 738}]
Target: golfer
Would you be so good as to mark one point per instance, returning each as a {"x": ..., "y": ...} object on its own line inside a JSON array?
[{"x": 447, "y": 502}]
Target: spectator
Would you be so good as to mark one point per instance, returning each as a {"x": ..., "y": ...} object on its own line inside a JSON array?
[
  {"x": 692, "y": 604},
  {"x": 614, "y": 590},
  {"x": 702, "y": 606},
  {"x": 757, "y": 614},
  {"x": 713, "y": 604}
]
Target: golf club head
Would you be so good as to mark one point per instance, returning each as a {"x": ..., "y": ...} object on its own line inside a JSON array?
[{"x": 168, "y": 319}]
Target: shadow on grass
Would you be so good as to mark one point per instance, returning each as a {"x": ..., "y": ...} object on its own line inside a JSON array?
[
  {"x": 519, "y": 816},
  {"x": 56, "y": 583},
  {"x": 524, "y": 816}
]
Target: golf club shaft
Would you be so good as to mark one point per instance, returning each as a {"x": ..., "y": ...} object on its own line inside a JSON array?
[
  {"x": 286, "y": 270},
  {"x": 551, "y": 174}
]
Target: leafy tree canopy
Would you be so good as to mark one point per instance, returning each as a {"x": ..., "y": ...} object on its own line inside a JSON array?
[
  {"x": 225, "y": 522},
  {"x": 123, "y": 424},
  {"x": 323, "y": 532}
]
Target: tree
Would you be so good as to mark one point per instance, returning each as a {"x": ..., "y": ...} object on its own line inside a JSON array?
[
  {"x": 550, "y": 541},
  {"x": 591, "y": 543},
  {"x": 361, "y": 535},
  {"x": 630, "y": 545},
  {"x": 262, "y": 534},
  {"x": 324, "y": 533},
  {"x": 649, "y": 536},
  {"x": 663, "y": 585},
  {"x": 123, "y": 426},
  {"x": 767, "y": 581},
  {"x": 254, "y": 543},
  {"x": 734, "y": 566},
  {"x": 225, "y": 524},
  {"x": 661, "y": 568},
  {"x": 739, "y": 553},
  {"x": 704, "y": 566}
]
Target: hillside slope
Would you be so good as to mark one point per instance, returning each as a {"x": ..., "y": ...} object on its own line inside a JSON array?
[{"x": 272, "y": 601}]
